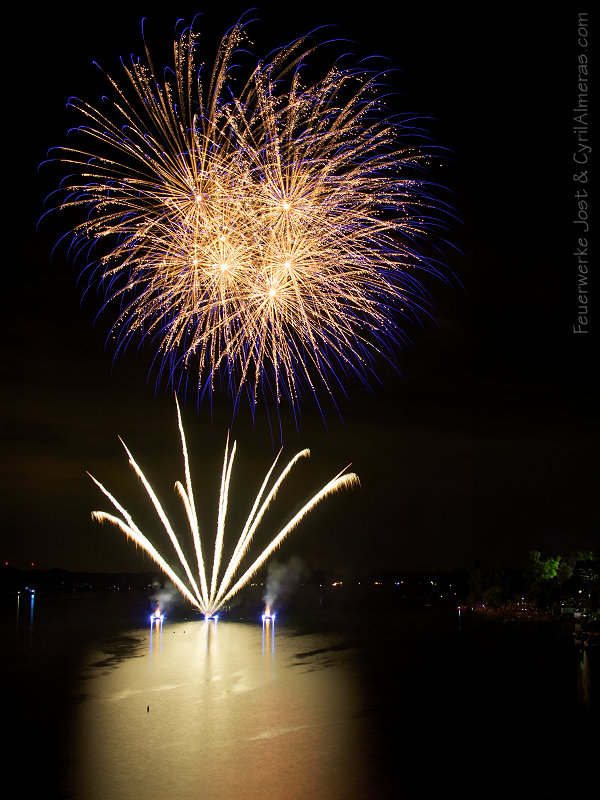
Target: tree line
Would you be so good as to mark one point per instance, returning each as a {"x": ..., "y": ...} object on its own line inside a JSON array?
[{"x": 550, "y": 582}]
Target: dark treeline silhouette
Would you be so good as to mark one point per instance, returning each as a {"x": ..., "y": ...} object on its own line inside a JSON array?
[{"x": 551, "y": 584}]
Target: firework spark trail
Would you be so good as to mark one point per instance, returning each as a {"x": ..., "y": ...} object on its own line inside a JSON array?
[
  {"x": 268, "y": 232},
  {"x": 227, "y": 467},
  {"x": 253, "y": 521},
  {"x": 131, "y": 530},
  {"x": 190, "y": 508},
  {"x": 220, "y": 591},
  {"x": 164, "y": 519},
  {"x": 343, "y": 481}
]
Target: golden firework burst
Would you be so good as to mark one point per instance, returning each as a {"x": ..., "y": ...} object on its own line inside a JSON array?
[{"x": 264, "y": 231}]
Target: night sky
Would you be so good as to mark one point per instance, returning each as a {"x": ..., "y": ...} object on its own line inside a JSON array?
[{"x": 481, "y": 446}]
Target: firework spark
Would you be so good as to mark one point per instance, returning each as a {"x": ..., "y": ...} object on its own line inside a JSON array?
[
  {"x": 210, "y": 597},
  {"x": 266, "y": 232}
]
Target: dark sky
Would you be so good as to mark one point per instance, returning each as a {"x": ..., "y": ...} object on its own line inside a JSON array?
[{"x": 482, "y": 446}]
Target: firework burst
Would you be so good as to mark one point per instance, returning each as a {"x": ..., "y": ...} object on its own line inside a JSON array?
[
  {"x": 209, "y": 595},
  {"x": 264, "y": 233}
]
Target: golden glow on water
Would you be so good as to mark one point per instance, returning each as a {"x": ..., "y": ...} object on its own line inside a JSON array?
[{"x": 217, "y": 713}]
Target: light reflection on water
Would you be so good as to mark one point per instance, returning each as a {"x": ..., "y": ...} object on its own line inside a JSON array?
[
  {"x": 268, "y": 635},
  {"x": 584, "y": 681},
  {"x": 199, "y": 709},
  {"x": 402, "y": 705},
  {"x": 156, "y": 630}
]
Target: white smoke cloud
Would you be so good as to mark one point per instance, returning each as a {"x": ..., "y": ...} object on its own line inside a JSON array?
[
  {"x": 282, "y": 581},
  {"x": 164, "y": 597}
]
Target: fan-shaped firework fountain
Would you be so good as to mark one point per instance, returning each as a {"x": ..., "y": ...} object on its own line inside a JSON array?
[
  {"x": 208, "y": 598},
  {"x": 267, "y": 232}
]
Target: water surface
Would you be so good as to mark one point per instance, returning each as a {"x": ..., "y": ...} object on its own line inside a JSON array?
[
  {"x": 224, "y": 710},
  {"x": 409, "y": 704}
]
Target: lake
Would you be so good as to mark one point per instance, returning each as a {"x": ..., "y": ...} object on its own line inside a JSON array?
[{"x": 406, "y": 703}]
